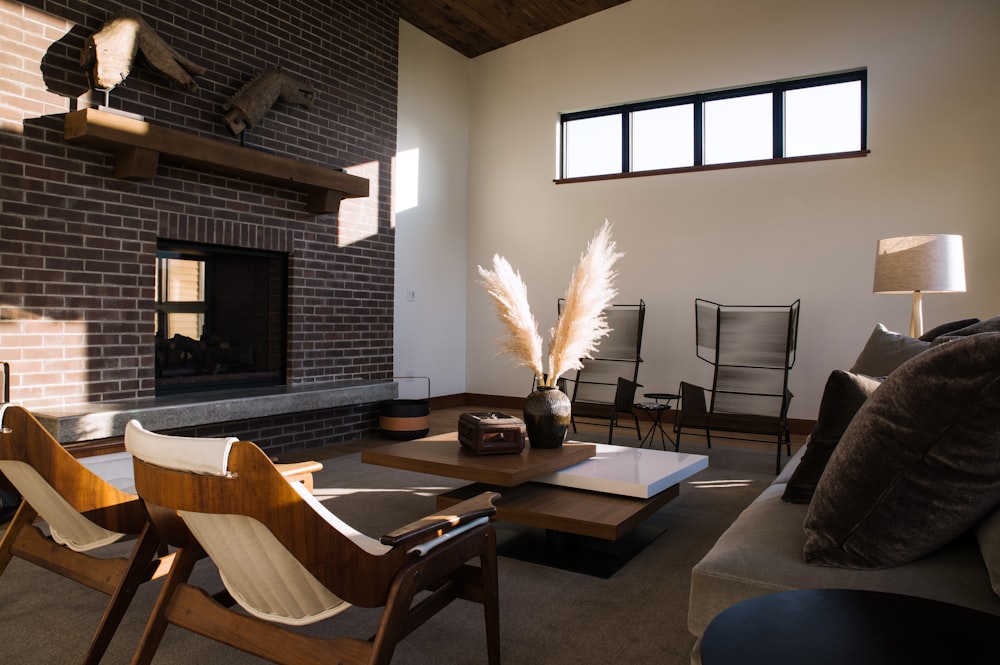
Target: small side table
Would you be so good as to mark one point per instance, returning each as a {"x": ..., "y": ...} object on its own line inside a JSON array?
[
  {"x": 850, "y": 627},
  {"x": 654, "y": 411}
]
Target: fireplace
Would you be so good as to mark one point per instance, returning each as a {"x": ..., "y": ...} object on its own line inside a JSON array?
[{"x": 220, "y": 317}]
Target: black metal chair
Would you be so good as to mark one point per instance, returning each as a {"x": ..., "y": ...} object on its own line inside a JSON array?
[
  {"x": 752, "y": 350},
  {"x": 604, "y": 388}
]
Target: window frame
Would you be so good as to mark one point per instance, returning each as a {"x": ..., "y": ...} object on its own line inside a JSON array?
[{"x": 698, "y": 100}]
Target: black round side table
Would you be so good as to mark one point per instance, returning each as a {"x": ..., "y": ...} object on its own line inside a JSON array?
[
  {"x": 654, "y": 411},
  {"x": 850, "y": 627}
]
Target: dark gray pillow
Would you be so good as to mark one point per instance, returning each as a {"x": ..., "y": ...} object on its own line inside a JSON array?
[
  {"x": 885, "y": 351},
  {"x": 918, "y": 465},
  {"x": 989, "y": 325},
  {"x": 842, "y": 397},
  {"x": 946, "y": 328}
]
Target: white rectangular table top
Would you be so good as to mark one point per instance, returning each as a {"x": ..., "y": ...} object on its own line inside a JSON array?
[{"x": 626, "y": 471}]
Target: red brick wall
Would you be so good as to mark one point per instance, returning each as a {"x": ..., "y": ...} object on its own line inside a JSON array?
[{"x": 77, "y": 245}]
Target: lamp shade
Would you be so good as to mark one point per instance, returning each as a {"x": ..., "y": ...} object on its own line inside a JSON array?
[{"x": 928, "y": 263}]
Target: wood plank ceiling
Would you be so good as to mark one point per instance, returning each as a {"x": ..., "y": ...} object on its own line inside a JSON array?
[{"x": 474, "y": 27}]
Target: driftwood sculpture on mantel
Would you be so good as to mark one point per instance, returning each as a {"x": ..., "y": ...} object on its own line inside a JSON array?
[
  {"x": 257, "y": 96},
  {"x": 108, "y": 55}
]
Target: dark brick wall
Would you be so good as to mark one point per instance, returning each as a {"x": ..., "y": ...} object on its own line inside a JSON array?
[{"x": 77, "y": 245}]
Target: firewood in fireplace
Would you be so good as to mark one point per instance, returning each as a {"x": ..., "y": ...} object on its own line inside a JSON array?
[{"x": 184, "y": 356}]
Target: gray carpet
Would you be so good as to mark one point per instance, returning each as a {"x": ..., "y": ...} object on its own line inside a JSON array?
[{"x": 548, "y": 616}]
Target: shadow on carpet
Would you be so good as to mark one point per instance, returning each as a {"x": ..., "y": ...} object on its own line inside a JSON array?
[{"x": 548, "y": 616}]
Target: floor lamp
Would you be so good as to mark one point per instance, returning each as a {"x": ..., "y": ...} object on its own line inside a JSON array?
[{"x": 919, "y": 264}]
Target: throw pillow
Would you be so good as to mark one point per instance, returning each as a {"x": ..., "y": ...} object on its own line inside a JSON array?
[
  {"x": 988, "y": 535},
  {"x": 946, "y": 328},
  {"x": 918, "y": 465},
  {"x": 885, "y": 351},
  {"x": 989, "y": 325},
  {"x": 842, "y": 397}
]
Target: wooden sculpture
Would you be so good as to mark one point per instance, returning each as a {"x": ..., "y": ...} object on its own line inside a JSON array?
[
  {"x": 108, "y": 54},
  {"x": 256, "y": 98}
]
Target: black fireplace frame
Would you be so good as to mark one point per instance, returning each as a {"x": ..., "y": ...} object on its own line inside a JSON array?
[{"x": 243, "y": 341}]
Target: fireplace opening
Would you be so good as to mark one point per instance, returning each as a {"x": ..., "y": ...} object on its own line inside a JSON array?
[{"x": 220, "y": 317}]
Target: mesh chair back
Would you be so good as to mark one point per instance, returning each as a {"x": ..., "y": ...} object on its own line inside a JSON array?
[
  {"x": 752, "y": 348},
  {"x": 597, "y": 381},
  {"x": 624, "y": 342}
]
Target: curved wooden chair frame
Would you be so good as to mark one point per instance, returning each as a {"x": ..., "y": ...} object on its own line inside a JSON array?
[
  {"x": 38, "y": 466},
  {"x": 254, "y": 488}
]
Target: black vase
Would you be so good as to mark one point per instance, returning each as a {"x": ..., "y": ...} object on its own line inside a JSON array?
[{"x": 546, "y": 417}]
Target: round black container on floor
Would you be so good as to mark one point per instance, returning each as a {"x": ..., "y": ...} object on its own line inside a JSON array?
[{"x": 406, "y": 419}]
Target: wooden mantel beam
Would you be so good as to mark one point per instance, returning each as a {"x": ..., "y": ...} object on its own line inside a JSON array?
[{"x": 139, "y": 147}]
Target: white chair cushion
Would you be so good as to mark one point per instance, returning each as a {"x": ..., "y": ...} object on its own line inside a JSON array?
[
  {"x": 261, "y": 575},
  {"x": 66, "y": 525},
  {"x": 183, "y": 453}
]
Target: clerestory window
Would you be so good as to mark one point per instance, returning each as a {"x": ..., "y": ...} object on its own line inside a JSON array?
[{"x": 794, "y": 120}]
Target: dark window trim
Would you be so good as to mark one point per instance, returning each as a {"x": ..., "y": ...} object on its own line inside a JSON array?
[
  {"x": 777, "y": 90},
  {"x": 716, "y": 167}
]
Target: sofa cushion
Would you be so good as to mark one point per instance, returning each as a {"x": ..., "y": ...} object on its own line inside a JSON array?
[
  {"x": 843, "y": 395},
  {"x": 885, "y": 351},
  {"x": 761, "y": 552},
  {"x": 918, "y": 465}
]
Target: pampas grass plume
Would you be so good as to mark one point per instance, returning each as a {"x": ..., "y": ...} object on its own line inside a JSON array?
[
  {"x": 510, "y": 298},
  {"x": 581, "y": 323}
]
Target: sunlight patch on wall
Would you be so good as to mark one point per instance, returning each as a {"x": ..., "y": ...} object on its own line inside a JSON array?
[
  {"x": 60, "y": 371},
  {"x": 406, "y": 181},
  {"x": 358, "y": 218},
  {"x": 47, "y": 97}
]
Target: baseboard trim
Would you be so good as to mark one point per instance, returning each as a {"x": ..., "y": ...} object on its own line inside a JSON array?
[{"x": 795, "y": 425}]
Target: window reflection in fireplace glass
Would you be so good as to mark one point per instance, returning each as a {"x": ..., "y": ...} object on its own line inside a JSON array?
[
  {"x": 220, "y": 317},
  {"x": 180, "y": 296}
]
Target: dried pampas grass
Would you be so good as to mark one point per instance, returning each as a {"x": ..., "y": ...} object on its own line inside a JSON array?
[
  {"x": 510, "y": 297},
  {"x": 582, "y": 322}
]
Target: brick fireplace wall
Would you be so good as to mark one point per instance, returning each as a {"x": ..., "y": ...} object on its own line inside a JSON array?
[{"x": 77, "y": 245}]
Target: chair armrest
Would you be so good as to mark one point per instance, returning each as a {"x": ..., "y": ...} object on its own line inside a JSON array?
[
  {"x": 457, "y": 515},
  {"x": 300, "y": 472}
]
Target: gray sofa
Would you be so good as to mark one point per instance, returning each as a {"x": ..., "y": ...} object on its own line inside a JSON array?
[
  {"x": 765, "y": 549},
  {"x": 761, "y": 552}
]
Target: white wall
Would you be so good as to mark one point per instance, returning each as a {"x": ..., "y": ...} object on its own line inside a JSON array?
[
  {"x": 761, "y": 235},
  {"x": 431, "y": 235}
]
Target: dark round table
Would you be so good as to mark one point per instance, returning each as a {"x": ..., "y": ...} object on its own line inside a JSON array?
[
  {"x": 850, "y": 627},
  {"x": 654, "y": 411}
]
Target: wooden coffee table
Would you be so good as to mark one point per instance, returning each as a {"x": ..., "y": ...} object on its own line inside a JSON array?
[
  {"x": 442, "y": 455},
  {"x": 586, "y": 489}
]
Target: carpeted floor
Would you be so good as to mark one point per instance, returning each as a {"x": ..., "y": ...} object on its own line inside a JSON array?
[{"x": 548, "y": 616}]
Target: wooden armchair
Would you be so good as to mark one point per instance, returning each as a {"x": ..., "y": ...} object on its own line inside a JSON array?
[
  {"x": 84, "y": 513},
  {"x": 286, "y": 560}
]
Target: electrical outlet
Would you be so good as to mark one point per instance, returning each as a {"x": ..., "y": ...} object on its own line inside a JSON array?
[{"x": 411, "y": 295}]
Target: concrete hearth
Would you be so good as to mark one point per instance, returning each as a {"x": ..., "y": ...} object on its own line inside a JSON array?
[{"x": 102, "y": 420}]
